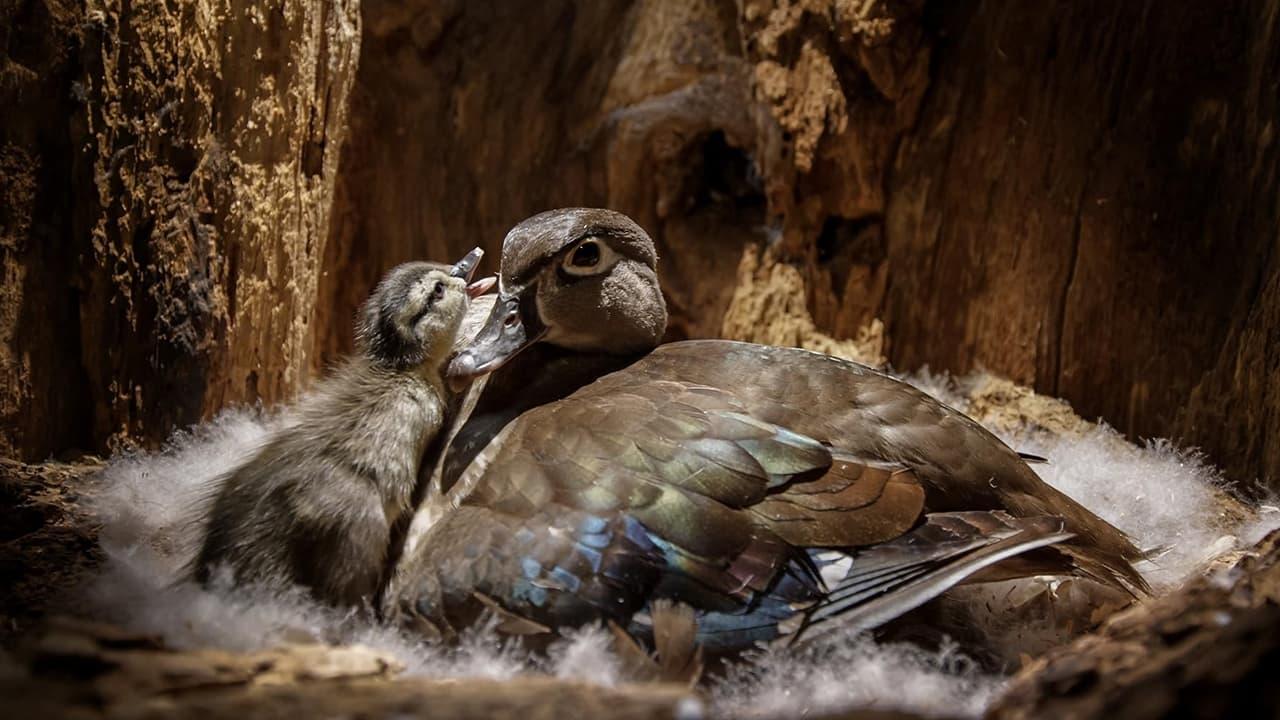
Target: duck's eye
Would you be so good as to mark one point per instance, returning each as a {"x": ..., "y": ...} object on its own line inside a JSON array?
[
  {"x": 587, "y": 255},
  {"x": 437, "y": 292}
]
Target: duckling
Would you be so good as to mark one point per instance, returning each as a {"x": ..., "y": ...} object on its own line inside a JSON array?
[
  {"x": 315, "y": 506},
  {"x": 780, "y": 493}
]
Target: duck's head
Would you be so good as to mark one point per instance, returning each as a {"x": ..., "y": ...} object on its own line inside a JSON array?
[
  {"x": 411, "y": 317},
  {"x": 583, "y": 279}
]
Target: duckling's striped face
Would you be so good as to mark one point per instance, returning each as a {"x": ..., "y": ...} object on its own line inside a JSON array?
[{"x": 413, "y": 315}]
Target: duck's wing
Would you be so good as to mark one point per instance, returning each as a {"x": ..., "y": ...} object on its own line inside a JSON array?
[
  {"x": 870, "y": 415},
  {"x": 693, "y": 465},
  {"x": 727, "y": 503}
]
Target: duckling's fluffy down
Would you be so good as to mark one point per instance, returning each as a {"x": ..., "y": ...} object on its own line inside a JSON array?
[{"x": 1164, "y": 497}]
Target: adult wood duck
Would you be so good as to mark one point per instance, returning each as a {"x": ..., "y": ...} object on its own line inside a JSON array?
[{"x": 777, "y": 491}]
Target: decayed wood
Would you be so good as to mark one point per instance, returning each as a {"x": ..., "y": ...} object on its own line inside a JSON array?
[
  {"x": 167, "y": 179},
  {"x": 210, "y": 137},
  {"x": 47, "y": 541},
  {"x": 43, "y": 408},
  {"x": 83, "y": 670},
  {"x": 1088, "y": 202},
  {"x": 1210, "y": 649},
  {"x": 769, "y": 307},
  {"x": 1079, "y": 197}
]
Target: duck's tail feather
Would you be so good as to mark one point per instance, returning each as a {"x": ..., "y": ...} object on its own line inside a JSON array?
[
  {"x": 1107, "y": 568},
  {"x": 1100, "y": 550},
  {"x": 889, "y": 579}
]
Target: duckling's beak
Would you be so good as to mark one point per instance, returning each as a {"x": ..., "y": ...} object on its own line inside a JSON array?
[
  {"x": 513, "y": 325},
  {"x": 466, "y": 267}
]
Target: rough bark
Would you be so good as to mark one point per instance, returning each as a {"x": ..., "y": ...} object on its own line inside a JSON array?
[
  {"x": 47, "y": 542},
  {"x": 1088, "y": 202},
  {"x": 1081, "y": 197},
  {"x": 42, "y": 402},
  {"x": 211, "y": 131},
  {"x": 167, "y": 186}
]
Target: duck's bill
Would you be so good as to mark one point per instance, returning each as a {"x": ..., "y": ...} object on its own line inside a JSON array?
[
  {"x": 466, "y": 267},
  {"x": 509, "y": 329}
]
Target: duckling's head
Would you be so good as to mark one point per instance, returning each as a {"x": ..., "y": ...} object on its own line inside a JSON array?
[
  {"x": 413, "y": 314},
  {"x": 583, "y": 279}
]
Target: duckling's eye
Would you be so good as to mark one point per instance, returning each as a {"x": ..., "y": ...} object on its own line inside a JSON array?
[
  {"x": 437, "y": 292},
  {"x": 587, "y": 255}
]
